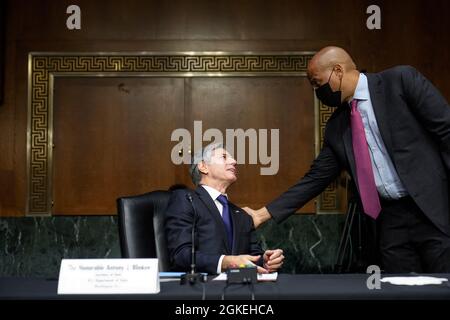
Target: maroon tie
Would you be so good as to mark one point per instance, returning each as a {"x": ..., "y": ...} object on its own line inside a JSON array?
[{"x": 364, "y": 172}]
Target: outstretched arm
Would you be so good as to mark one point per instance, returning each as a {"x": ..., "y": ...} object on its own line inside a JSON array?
[
  {"x": 323, "y": 171},
  {"x": 259, "y": 216}
]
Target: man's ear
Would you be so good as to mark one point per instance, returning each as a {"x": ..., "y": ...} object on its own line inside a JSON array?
[
  {"x": 202, "y": 167},
  {"x": 339, "y": 70}
]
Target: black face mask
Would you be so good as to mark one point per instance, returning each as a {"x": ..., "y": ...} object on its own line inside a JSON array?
[{"x": 329, "y": 97}]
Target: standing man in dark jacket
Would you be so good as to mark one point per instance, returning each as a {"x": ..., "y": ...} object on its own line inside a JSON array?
[{"x": 391, "y": 132}]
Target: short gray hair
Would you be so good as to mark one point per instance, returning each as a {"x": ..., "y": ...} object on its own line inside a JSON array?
[{"x": 202, "y": 154}]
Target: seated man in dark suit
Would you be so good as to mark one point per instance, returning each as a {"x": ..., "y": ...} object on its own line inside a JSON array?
[{"x": 224, "y": 235}]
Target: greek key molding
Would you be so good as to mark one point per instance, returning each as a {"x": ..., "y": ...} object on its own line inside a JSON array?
[
  {"x": 44, "y": 67},
  {"x": 330, "y": 200}
]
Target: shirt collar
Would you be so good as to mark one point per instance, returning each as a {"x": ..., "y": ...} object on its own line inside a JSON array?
[
  {"x": 362, "y": 88},
  {"x": 212, "y": 192}
]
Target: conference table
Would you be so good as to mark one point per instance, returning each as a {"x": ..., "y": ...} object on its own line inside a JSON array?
[{"x": 286, "y": 287}]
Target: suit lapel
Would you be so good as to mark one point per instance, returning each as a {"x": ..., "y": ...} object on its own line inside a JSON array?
[
  {"x": 379, "y": 105},
  {"x": 209, "y": 203}
]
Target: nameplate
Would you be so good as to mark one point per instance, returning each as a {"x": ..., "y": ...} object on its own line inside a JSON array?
[{"x": 108, "y": 276}]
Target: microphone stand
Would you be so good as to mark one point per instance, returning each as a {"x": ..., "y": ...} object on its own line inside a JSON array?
[{"x": 193, "y": 276}]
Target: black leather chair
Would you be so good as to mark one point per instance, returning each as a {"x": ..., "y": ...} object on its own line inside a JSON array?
[{"x": 141, "y": 226}]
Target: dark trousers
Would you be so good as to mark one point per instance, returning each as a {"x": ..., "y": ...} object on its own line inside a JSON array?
[{"x": 409, "y": 241}]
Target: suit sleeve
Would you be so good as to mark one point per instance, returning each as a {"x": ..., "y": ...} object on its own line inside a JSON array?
[
  {"x": 430, "y": 107},
  {"x": 255, "y": 247},
  {"x": 323, "y": 171},
  {"x": 179, "y": 222}
]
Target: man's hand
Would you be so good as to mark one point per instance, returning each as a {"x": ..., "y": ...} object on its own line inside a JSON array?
[
  {"x": 243, "y": 259},
  {"x": 259, "y": 216},
  {"x": 273, "y": 259}
]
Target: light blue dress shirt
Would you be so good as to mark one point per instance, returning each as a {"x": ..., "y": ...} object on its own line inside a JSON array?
[{"x": 387, "y": 180}]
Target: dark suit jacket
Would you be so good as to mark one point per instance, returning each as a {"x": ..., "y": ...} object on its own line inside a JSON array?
[
  {"x": 414, "y": 122},
  {"x": 211, "y": 239}
]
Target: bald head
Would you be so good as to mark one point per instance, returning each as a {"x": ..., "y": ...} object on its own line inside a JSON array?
[
  {"x": 328, "y": 57},
  {"x": 334, "y": 65}
]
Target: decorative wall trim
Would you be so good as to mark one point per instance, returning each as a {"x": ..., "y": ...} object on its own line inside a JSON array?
[
  {"x": 44, "y": 67},
  {"x": 334, "y": 198}
]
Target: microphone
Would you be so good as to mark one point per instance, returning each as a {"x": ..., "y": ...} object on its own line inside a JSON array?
[{"x": 193, "y": 276}]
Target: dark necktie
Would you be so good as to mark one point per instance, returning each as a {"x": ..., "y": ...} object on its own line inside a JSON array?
[
  {"x": 226, "y": 219},
  {"x": 364, "y": 171}
]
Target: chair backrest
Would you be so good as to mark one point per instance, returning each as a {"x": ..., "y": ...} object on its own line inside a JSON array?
[{"x": 141, "y": 226}]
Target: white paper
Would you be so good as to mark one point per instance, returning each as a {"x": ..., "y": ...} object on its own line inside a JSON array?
[
  {"x": 413, "y": 281},
  {"x": 268, "y": 276},
  {"x": 261, "y": 276},
  {"x": 108, "y": 276},
  {"x": 221, "y": 277}
]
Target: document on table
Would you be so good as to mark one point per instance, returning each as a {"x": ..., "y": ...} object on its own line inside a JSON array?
[
  {"x": 268, "y": 276},
  {"x": 413, "y": 281},
  {"x": 261, "y": 276}
]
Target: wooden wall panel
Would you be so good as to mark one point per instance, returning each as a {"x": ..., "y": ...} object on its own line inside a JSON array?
[
  {"x": 259, "y": 103},
  {"x": 112, "y": 139}
]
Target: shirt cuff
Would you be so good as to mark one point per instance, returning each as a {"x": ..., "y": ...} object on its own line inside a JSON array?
[{"x": 219, "y": 265}]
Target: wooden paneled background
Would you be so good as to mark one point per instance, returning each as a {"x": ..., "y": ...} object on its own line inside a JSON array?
[{"x": 413, "y": 32}]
